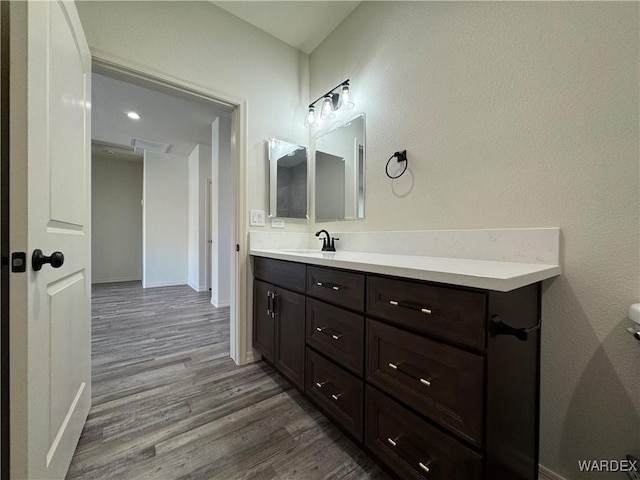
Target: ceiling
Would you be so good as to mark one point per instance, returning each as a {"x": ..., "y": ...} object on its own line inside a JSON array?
[
  {"x": 181, "y": 122},
  {"x": 302, "y": 24}
]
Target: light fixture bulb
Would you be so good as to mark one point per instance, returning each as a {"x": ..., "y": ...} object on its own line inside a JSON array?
[
  {"x": 327, "y": 108},
  {"x": 134, "y": 115},
  {"x": 345, "y": 100},
  {"x": 311, "y": 120}
]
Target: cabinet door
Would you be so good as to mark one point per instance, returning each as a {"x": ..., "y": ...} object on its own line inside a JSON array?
[
  {"x": 263, "y": 322},
  {"x": 290, "y": 326}
]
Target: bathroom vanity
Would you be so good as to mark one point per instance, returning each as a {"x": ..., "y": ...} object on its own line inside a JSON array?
[{"x": 432, "y": 365}]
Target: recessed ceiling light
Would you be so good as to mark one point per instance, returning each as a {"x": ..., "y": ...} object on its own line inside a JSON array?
[{"x": 134, "y": 115}]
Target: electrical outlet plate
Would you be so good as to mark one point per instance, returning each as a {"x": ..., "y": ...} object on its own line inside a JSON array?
[
  {"x": 256, "y": 218},
  {"x": 277, "y": 223}
]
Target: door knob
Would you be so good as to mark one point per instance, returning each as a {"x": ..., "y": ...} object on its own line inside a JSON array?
[{"x": 38, "y": 259}]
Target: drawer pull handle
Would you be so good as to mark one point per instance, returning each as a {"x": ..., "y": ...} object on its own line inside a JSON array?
[
  {"x": 393, "y": 443},
  {"x": 423, "y": 467},
  {"x": 336, "y": 397},
  {"x": 335, "y": 336},
  {"x": 333, "y": 286},
  {"x": 410, "y": 306},
  {"x": 320, "y": 384},
  {"x": 396, "y": 366}
]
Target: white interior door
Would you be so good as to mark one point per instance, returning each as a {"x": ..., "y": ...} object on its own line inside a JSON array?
[{"x": 50, "y": 343}]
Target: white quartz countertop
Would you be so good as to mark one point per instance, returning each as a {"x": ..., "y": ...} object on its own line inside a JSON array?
[{"x": 485, "y": 274}]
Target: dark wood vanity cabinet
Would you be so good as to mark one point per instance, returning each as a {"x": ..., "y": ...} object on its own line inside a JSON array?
[
  {"x": 279, "y": 317},
  {"x": 264, "y": 339},
  {"x": 441, "y": 382},
  {"x": 412, "y": 447},
  {"x": 435, "y": 381},
  {"x": 337, "y": 393},
  {"x": 336, "y": 333},
  {"x": 289, "y": 333}
]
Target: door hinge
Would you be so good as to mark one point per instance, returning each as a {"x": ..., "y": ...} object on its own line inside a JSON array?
[{"x": 237, "y": 247}]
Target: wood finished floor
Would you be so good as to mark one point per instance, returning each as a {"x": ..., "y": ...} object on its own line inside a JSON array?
[{"x": 168, "y": 403}]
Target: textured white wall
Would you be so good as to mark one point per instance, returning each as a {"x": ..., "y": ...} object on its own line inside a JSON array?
[
  {"x": 116, "y": 220},
  {"x": 517, "y": 114},
  {"x": 206, "y": 45},
  {"x": 222, "y": 212},
  {"x": 194, "y": 220},
  {"x": 225, "y": 212},
  {"x": 166, "y": 219},
  {"x": 199, "y": 173},
  {"x": 204, "y": 174}
]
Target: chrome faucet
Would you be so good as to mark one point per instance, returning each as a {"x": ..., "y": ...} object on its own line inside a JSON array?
[{"x": 328, "y": 243}]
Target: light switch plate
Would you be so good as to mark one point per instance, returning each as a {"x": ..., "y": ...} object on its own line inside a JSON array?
[
  {"x": 277, "y": 223},
  {"x": 256, "y": 218}
]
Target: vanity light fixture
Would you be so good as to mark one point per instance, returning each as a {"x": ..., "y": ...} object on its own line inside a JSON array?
[
  {"x": 331, "y": 101},
  {"x": 327, "y": 108},
  {"x": 134, "y": 115},
  {"x": 311, "y": 117},
  {"x": 345, "y": 101}
]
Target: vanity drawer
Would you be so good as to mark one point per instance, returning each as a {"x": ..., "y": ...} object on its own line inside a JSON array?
[
  {"x": 439, "y": 381},
  {"x": 336, "y": 286},
  {"x": 412, "y": 447},
  {"x": 289, "y": 275},
  {"x": 338, "y": 393},
  {"x": 337, "y": 333},
  {"x": 448, "y": 313}
]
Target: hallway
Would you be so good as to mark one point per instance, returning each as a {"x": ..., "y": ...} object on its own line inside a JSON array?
[{"x": 169, "y": 403}]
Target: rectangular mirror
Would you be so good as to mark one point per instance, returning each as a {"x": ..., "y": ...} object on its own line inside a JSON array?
[
  {"x": 287, "y": 179},
  {"x": 339, "y": 179}
]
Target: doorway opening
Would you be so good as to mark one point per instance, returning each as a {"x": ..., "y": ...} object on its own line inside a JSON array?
[{"x": 214, "y": 208}]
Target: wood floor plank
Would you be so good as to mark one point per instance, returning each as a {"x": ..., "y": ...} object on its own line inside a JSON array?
[{"x": 168, "y": 402}]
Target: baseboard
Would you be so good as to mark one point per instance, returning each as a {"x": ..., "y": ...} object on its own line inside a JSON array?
[
  {"x": 226, "y": 303},
  {"x": 115, "y": 280},
  {"x": 197, "y": 289},
  {"x": 162, "y": 284},
  {"x": 545, "y": 474},
  {"x": 252, "y": 356}
]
